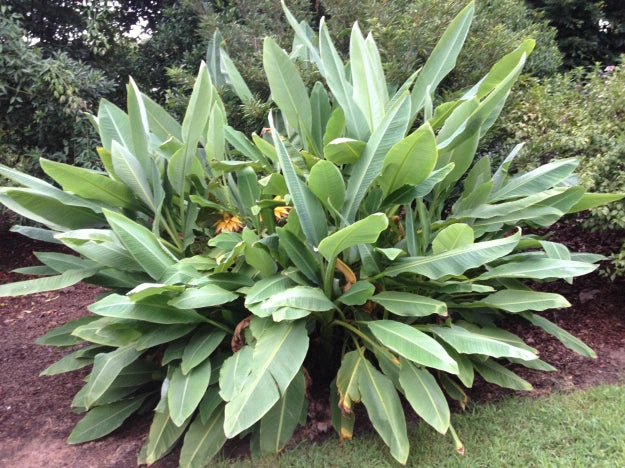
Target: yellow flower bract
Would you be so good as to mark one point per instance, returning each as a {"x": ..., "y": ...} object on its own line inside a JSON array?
[{"x": 228, "y": 222}]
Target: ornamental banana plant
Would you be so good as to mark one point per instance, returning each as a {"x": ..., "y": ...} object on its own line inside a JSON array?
[{"x": 355, "y": 245}]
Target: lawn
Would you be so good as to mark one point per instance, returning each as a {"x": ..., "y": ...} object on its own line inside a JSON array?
[{"x": 583, "y": 428}]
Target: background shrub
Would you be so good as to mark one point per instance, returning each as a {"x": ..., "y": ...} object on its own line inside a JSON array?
[
  {"x": 580, "y": 113},
  {"x": 406, "y": 32},
  {"x": 43, "y": 100}
]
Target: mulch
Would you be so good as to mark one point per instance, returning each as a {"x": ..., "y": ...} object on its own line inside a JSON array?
[{"x": 35, "y": 415}]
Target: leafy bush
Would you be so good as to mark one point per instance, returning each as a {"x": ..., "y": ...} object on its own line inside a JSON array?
[
  {"x": 577, "y": 114},
  {"x": 42, "y": 100},
  {"x": 588, "y": 31},
  {"x": 335, "y": 250}
]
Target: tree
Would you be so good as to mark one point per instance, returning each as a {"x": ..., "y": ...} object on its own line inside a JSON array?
[
  {"x": 43, "y": 98},
  {"x": 588, "y": 32}
]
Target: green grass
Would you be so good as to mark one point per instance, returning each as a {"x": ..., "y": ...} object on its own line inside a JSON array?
[{"x": 581, "y": 429}]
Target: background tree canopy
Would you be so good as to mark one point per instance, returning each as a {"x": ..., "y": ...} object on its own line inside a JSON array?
[
  {"x": 588, "y": 32},
  {"x": 77, "y": 51}
]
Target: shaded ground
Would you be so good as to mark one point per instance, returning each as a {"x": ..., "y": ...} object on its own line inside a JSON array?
[{"x": 35, "y": 418}]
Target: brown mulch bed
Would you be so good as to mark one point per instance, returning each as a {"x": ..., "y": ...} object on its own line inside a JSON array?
[{"x": 35, "y": 416}]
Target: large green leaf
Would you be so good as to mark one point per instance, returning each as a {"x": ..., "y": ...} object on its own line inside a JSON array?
[
  {"x": 412, "y": 344},
  {"x": 234, "y": 77},
  {"x": 494, "y": 88},
  {"x": 384, "y": 409},
  {"x": 256, "y": 256},
  {"x": 129, "y": 170},
  {"x": 158, "y": 335},
  {"x": 278, "y": 355},
  {"x": 409, "y": 305},
  {"x": 321, "y": 111},
  {"x": 370, "y": 92},
  {"x": 211, "y": 399},
  {"x": 539, "y": 268},
  {"x": 71, "y": 362},
  {"x": 203, "y": 440},
  {"x": 182, "y": 164},
  {"x": 334, "y": 73},
  {"x": 424, "y": 395},
  {"x": 512, "y": 300},
  {"x": 347, "y": 380},
  {"x": 234, "y": 372},
  {"x": 114, "y": 125},
  {"x": 152, "y": 309},
  {"x": 111, "y": 254},
  {"x": 442, "y": 59},
  {"x": 142, "y": 244},
  {"x": 494, "y": 372},
  {"x": 565, "y": 337},
  {"x": 536, "y": 181},
  {"x": 365, "y": 231},
  {"x": 49, "y": 283},
  {"x": 104, "y": 419},
  {"x": 357, "y": 294},
  {"x": 453, "y": 237},
  {"x": 62, "y": 336},
  {"x": 89, "y": 184},
  {"x": 287, "y": 88},
  {"x": 300, "y": 297},
  {"x": 410, "y": 161},
  {"x": 162, "y": 437},
  {"x": 267, "y": 287},
  {"x": 308, "y": 208},
  {"x": 160, "y": 122},
  {"x": 215, "y": 145},
  {"x": 368, "y": 167},
  {"x": 186, "y": 391},
  {"x": 198, "y": 109},
  {"x": 326, "y": 182},
  {"x": 455, "y": 261},
  {"x": 200, "y": 346},
  {"x": 106, "y": 367},
  {"x": 44, "y": 188},
  {"x": 300, "y": 255},
  {"x": 344, "y": 150},
  {"x": 48, "y": 209},
  {"x": 592, "y": 200},
  {"x": 138, "y": 120},
  {"x": 473, "y": 342},
  {"x": 204, "y": 296},
  {"x": 108, "y": 331},
  {"x": 239, "y": 141},
  {"x": 278, "y": 425}
]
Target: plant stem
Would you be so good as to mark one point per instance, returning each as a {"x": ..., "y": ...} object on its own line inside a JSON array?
[
  {"x": 328, "y": 277},
  {"x": 170, "y": 227},
  {"x": 220, "y": 326},
  {"x": 355, "y": 331}
]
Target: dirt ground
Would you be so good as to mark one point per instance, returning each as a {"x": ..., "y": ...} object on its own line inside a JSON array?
[{"x": 35, "y": 415}]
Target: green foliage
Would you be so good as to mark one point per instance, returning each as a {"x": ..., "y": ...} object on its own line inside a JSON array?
[
  {"x": 234, "y": 271},
  {"x": 406, "y": 32},
  {"x": 42, "y": 101},
  {"x": 577, "y": 114}
]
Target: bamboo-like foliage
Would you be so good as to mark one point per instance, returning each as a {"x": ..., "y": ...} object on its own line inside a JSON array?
[{"x": 358, "y": 230}]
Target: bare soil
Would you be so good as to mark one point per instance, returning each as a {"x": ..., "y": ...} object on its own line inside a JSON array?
[{"x": 35, "y": 415}]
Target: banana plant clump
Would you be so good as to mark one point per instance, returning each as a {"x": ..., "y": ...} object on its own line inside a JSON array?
[{"x": 355, "y": 245}]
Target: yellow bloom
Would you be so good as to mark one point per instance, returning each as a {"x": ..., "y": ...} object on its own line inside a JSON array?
[
  {"x": 281, "y": 212},
  {"x": 228, "y": 222}
]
